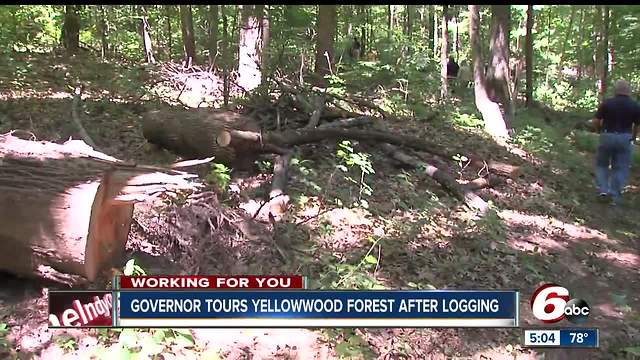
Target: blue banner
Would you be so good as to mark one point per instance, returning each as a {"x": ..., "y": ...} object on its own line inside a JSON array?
[
  {"x": 579, "y": 338},
  {"x": 280, "y": 308}
]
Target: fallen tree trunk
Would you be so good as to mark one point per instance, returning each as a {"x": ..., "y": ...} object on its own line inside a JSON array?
[
  {"x": 467, "y": 196},
  {"x": 66, "y": 210}
]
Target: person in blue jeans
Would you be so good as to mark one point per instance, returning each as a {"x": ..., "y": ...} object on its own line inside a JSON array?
[{"x": 617, "y": 120}]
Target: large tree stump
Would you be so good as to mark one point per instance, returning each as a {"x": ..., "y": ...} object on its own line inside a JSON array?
[{"x": 66, "y": 210}]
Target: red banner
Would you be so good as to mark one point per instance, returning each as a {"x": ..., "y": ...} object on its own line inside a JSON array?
[
  {"x": 212, "y": 282},
  {"x": 80, "y": 309}
]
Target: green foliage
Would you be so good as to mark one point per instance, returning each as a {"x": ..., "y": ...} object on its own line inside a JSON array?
[
  {"x": 348, "y": 159},
  {"x": 352, "y": 346},
  {"x": 4, "y": 330},
  {"x": 534, "y": 139},
  {"x": 219, "y": 176},
  {"x": 133, "y": 269}
]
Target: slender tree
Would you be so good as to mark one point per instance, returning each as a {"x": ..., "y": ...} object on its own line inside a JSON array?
[
  {"x": 169, "y": 44},
  {"x": 250, "y": 43},
  {"x": 567, "y": 36},
  {"x": 494, "y": 122},
  {"x": 103, "y": 30},
  {"x": 71, "y": 29},
  {"x": 188, "y": 38},
  {"x": 213, "y": 33},
  {"x": 604, "y": 54},
  {"x": 225, "y": 56},
  {"x": 326, "y": 26},
  {"x": 146, "y": 38},
  {"x": 498, "y": 77},
  {"x": 529, "y": 55},
  {"x": 390, "y": 20},
  {"x": 436, "y": 37},
  {"x": 444, "y": 52}
]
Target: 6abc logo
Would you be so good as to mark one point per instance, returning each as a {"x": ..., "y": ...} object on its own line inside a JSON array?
[{"x": 550, "y": 303}]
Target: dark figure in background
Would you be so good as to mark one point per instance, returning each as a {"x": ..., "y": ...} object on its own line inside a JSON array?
[
  {"x": 452, "y": 68},
  {"x": 356, "y": 49},
  {"x": 617, "y": 120}
]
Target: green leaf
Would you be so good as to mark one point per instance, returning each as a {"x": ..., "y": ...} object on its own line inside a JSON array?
[
  {"x": 129, "y": 267},
  {"x": 370, "y": 259},
  {"x": 343, "y": 349},
  {"x": 160, "y": 335}
]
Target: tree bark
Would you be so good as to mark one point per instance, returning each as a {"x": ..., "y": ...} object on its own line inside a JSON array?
[
  {"x": 167, "y": 15},
  {"x": 429, "y": 26},
  {"x": 529, "y": 55},
  {"x": 324, "y": 46},
  {"x": 604, "y": 54},
  {"x": 249, "y": 54},
  {"x": 188, "y": 39},
  {"x": 494, "y": 123},
  {"x": 265, "y": 27},
  {"x": 580, "y": 45},
  {"x": 146, "y": 38},
  {"x": 226, "y": 57},
  {"x": 66, "y": 209},
  {"x": 498, "y": 77},
  {"x": 566, "y": 41},
  {"x": 409, "y": 21},
  {"x": 436, "y": 36},
  {"x": 71, "y": 29},
  {"x": 390, "y": 17},
  {"x": 444, "y": 53},
  {"x": 213, "y": 33},
  {"x": 103, "y": 29}
]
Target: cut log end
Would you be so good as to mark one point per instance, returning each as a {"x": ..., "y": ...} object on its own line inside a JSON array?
[{"x": 58, "y": 216}]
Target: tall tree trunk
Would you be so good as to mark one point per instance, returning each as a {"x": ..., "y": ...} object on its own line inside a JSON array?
[
  {"x": 364, "y": 40},
  {"x": 604, "y": 54},
  {"x": 390, "y": 17},
  {"x": 456, "y": 37},
  {"x": 348, "y": 25},
  {"x": 71, "y": 29},
  {"x": 213, "y": 33},
  {"x": 436, "y": 36},
  {"x": 146, "y": 38},
  {"x": 529, "y": 54},
  {"x": 265, "y": 33},
  {"x": 498, "y": 78},
  {"x": 324, "y": 46},
  {"x": 429, "y": 26},
  {"x": 167, "y": 15},
  {"x": 494, "y": 123},
  {"x": 613, "y": 29},
  {"x": 444, "y": 53},
  {"x": 103, "y": 29},
  {"x": 226, "y": 56},
  {"x": 409, "y": 20},
  {"x": 580, "y": 44},
  {"x": 566, "y": 41},
  {"x": 188, "y": 39},
  {"x": 250, "y": 52}
]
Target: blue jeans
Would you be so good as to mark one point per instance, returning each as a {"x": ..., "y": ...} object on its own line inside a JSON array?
[{"x": 615, "y": 151}]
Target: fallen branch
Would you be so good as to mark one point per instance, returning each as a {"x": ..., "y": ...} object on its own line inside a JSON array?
[
  {"x": 482, "y": 183},
  {"x": 76, "y": 117},
  {"x": 468, "y": 197}
]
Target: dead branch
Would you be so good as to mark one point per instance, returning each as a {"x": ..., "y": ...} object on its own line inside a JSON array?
[
  {"x": 447, "y": 181},
  {"x": 76, "y": 117}
]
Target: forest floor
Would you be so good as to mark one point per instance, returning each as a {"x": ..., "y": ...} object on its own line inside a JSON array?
[{"x": 547, "y": 226}]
